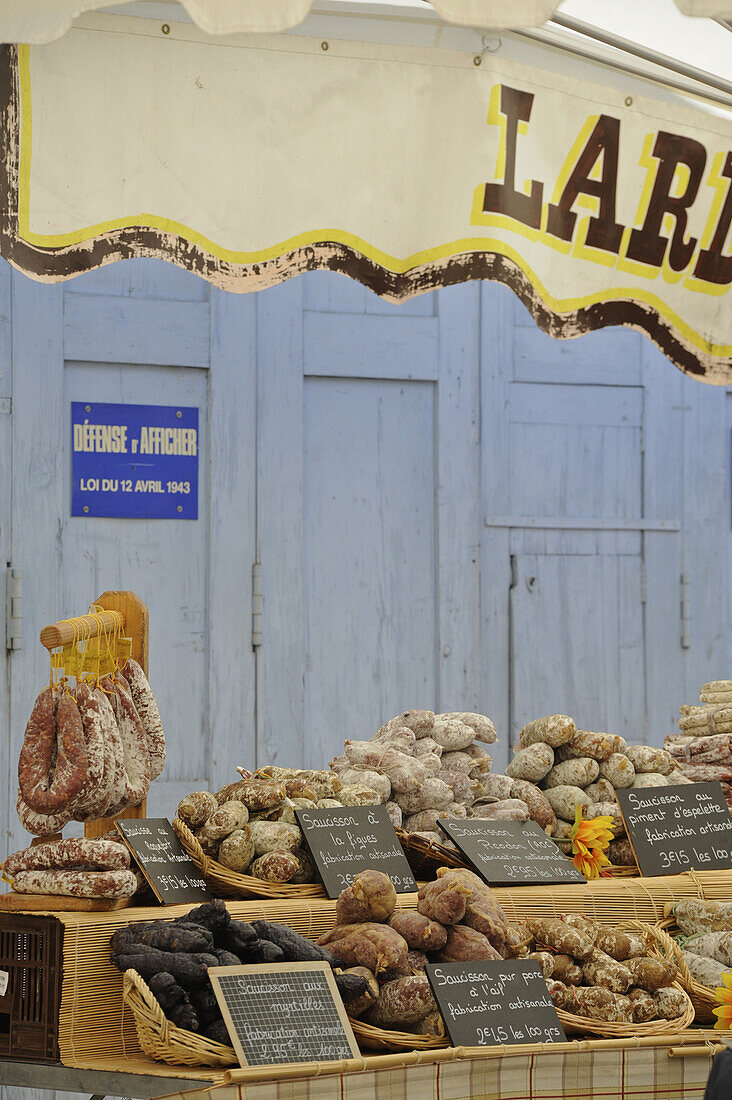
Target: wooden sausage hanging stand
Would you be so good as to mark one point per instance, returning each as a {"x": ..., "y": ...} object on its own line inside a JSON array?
[
  {"x": 121, "y": 611},
  {"x": 122, "y": 614}
]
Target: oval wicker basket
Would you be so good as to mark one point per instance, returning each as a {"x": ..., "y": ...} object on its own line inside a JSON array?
[
  {"x": 165, "y": 1042},
  {"x": 377, "y": 1038},
  {"x": 161, "y": 1039},
  {"x": 660, "y": 945},
  {"x": 225, "y": 883},
  {"x": 703, "y": 998},
  {"x": 425, "y": 856}
]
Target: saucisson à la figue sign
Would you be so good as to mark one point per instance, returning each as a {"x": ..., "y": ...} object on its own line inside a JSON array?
[{"x": 345, "y": 841}]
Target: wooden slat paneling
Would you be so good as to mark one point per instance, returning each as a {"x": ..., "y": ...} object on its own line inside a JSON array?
[
  {"x": 8, "y": 764},
  {"x": 611, "y": 357},
  {"x": 40, "y": 451},
  {"x": 576, "y": 640},
  {"x": 369, "y": 557},
  {"x": 370, "y": 346},
  {"x": 496, "y": 367},
  {"x": 580, "y": 406},
  {"x": 706, "y": 511},
  {"x": 102, "y": 329},
  {"x": 231, "y": 671},
  {"x": 280, "y": 730},
  {"x": 459, "y": 518}
]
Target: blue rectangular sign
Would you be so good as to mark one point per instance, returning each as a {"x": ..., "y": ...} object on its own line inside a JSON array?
[{"x": 134, "y": 461}]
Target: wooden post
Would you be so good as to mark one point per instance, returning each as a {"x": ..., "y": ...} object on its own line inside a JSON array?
[{"x": 136, "y": 625}]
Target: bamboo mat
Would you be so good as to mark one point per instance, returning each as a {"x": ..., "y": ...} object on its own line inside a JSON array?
[{"x": 93, "y": 1023}]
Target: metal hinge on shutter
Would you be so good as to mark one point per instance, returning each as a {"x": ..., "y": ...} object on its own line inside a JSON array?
[
  {"x": 13, "y": 609},
  {"x": 685, "y": 612},
  {"x": 256, "y": 604}
]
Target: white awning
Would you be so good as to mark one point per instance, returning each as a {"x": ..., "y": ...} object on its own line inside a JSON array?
[
  {"x": 399, "y": 151},
  {"x": 37, "y": 21}
]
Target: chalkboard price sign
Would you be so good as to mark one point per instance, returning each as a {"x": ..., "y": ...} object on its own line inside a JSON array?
[
  {"x": 487, "y": 1004},
  {"x": 163, "y": 860},
  {"x": 283, "y": 1012},
  {"x": 355, "y": 838},
  {"x": 507, "y": 853},
  {"x": 675, "y": 829}
]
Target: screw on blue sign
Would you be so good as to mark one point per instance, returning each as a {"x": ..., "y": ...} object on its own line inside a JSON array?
[{"x": 134, "y": 461}]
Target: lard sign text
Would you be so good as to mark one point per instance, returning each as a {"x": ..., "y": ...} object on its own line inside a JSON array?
[{"x": 134, "y": 461}]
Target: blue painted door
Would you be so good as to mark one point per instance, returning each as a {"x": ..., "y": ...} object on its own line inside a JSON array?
[
  {"x": 587, "y": 529},
  {"x": 368, "y": 511},
  {"x": 141, "y": 333}
]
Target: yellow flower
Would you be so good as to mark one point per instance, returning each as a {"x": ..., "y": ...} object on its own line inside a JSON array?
[
  {"x": 589, "y": 843},
  {"x": 724, "y": 1000}
]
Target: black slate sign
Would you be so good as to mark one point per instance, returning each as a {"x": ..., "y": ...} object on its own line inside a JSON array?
[
  {"x": 487, "y": 1004},
  {"x": 283, "y": 1012},
  {"x": 163, "y": 860},
  {"x": 675, "y": 829},
  {"x": 508, "y": 853},
  {"x": 345, "y": 841}
]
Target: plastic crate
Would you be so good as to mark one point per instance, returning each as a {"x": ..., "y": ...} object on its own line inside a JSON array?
[{"x": 31, "y": 952}]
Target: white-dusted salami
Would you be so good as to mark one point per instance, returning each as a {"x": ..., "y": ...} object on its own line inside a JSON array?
[
  {"x": 134, "y": 743},
  {"x": 96, "y": 791},
  {"x": 648, "y": 758},
  {"x": 53, "y": 762},
  {"x": 147, "y": 708},
  {"x": 77, "y": 884},
  {"x": 72, "y": 854},
  {"x": 598, "y": 746},
  {"x": 579, "y": 772},
  {"x": 40, "y": 824},
  {"x": 555, "y": 729},
  {"x": 482, "y": 726}
]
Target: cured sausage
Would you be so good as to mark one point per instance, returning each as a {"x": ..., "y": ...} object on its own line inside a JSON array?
[
  {"x": 134, "y": 744},
  {"x": 93, "y": 793},
  {"x": 73, "y": 854},
  {"x": 36, "y": 755},
  {"x": 54, "y": 723},
  {"x": 147, "y": 709},
  {"x": 77, "y": 884},
  {"x": 114, "y": 759},
  {"x": 40, "y": 824}
]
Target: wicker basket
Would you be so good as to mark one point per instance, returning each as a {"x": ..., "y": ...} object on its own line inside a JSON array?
[
  {"x": 164, "y": 1041},
  {"x": 225, "y": 883},
  {"x": 378, "y": 1038},
  {"x": 660, "y": 945},
  {"x": 425, "y": 856},
  {"x": 703, "y": 998}
]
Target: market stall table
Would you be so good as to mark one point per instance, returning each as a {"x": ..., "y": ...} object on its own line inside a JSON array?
[
  {"x": 671, "y": 1066},
  {"x": 98, "y": 1083}
]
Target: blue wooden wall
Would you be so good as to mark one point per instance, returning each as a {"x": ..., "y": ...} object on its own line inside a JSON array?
[{"x": 450, "y": 510}]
